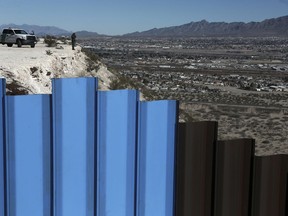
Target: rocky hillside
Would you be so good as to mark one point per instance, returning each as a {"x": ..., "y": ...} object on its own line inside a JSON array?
[
  {"x": 266, "y": 28},
  {"x": 29, "y": 71}
]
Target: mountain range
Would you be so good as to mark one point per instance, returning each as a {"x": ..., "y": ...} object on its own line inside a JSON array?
[
  {"x": 269, "y": 27},
  {"x": 38, "y": 30},
  {"x": 275, "y": 27},
  {"x": 49, "y": 30}
]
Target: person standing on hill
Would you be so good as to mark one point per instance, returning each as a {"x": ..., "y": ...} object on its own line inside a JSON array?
[{"x": 73, "y": 38}]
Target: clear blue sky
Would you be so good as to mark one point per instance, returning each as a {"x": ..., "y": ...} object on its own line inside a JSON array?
[{"x": 125, "y": 16}]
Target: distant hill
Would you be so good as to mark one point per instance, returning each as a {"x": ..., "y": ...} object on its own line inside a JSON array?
[
  {"x": 87, "y": 34},
  {"x": 38, "y": 30},
  {"x": 268, "y": 27},
  {"x": 50, "y": 30}
]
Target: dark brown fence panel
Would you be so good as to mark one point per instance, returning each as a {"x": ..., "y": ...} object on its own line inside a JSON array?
[
  {"x": 233, "y": 180},
  {"x": 270, "y": 186},
  {"x": 195, "y": 160},
  {"x": 286, "y": 209}
]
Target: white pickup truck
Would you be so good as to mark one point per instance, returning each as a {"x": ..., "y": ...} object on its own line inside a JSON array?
[{"x": 20, "y": 37}]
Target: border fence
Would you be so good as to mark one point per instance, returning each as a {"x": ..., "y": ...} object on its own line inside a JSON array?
[{"x": 80, "y": 151}]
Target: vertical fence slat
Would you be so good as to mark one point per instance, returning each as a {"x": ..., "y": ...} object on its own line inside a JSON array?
[
  {"x": 286, "y": 203},
  {"x": 234, "y": 166},
  {"x": 29, "y": 155},
  {"x": 270, "y": 185},
  {"x": 156, "y": 158},
  {"x": 195, "y": 168},
  {"x": 2, "y": 146},
  {"x": 74, "y": 111},
  {"x": 117, "y": 127}
]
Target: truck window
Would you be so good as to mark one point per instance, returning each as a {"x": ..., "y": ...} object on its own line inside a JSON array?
[{"x": 20, "y": 32}]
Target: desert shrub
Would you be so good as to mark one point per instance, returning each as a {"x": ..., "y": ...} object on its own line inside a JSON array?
[
  {"x": 33, "y": 69},
  {"x": 92, "y": 60},
  {"x": 91, "y": 55},
  {"x": 14, "y": 88},
  {"x": 64, "y": 39},
  {"x": 185, "y": 116},
  {"x": 121, "y": 82},
  {"x": 49, "y": 52},
  {"x": 50, "y": 41}
]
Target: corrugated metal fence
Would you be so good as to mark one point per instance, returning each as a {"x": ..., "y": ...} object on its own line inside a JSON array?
[{"x": 83, "y": 152}]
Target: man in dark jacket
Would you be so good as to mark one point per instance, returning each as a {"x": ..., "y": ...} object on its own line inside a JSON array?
[{"x": 73, "y": 38}]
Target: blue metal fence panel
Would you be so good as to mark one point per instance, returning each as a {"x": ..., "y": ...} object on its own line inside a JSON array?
[
  {"x": 74, "y": 108},
  {"x": 2, "y": 147},
  {"x": 156, "y": 157},
  {"x": 117, "y": 123},
  {"x": 28, "y": 141}
]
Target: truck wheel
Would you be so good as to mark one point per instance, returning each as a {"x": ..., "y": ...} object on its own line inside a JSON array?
[
  {"x": 19, "y": 43},
  {"x": 32, "y": 46},
  {"x": 9, "y": 45}
]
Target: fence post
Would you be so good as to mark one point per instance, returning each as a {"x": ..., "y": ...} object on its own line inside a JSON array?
[
  {"x": 156, "y": 158},
  {"x": 74, "y": 129},
  {"x": 28, "y": 152},
  {"x": 2, "y": 146},
  {"x": 234, "y": 173},
  {"x": 116, "y": 152},
  {"x": 286, "y": 204},
  {"x": 195, "y": 168},
  {"x": 270, "y": 186}
]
